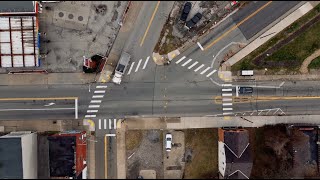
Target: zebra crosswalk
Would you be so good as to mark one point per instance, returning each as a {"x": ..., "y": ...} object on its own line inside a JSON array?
[{"x": 107, "y": 124}]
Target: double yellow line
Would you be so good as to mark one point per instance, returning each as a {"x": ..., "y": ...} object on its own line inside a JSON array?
[{"x": 237, "y": 25}]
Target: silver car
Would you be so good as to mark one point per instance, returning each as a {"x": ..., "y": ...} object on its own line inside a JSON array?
[{"x": 168, "y": 142}]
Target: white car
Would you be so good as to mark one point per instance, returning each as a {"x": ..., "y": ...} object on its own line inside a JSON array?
[{"x": 168, "y": 142}]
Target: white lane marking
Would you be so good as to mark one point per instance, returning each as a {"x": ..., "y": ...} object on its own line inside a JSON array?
[
  {"x": 102, "y": 86},
  {"x": 97, "y": 96},
  {"x": 211, "y": 73},
  {"x": 237, "y": 92},
  {"x": 92, "y": 111},
  {"x": 198, "y": 68},
  {"x": 226, "y": 99},
  {"x": 99, "y": 123},
  {"x": 145, "y": 63},
  {"x": 50, "y": 104},
  {"x": 94, "y": 106},
  {"x": 205, "y": 70},
  {"x": 193, "y": 65},
  {"x": 130, "y": 68},
  {"x": 224, "y": 85},
  {"x": 227, "y": 94},
  {"x": 138, "y": 65},
  {"x": 180, "y": 60},
  {"x": 227, "y": 104},
  {"x": 186, "y": 62},
  {"x": 110, "y": 134},
  {"x": 114, "y": 123},
  {"x": 226, "y": 90},
  {"x": 200, "y": 46},
  {"x": 90, "y": 116},
  {"x": 109, "y": 123},
  {"x": 99, "y": 92},
  {"x": 105, "y": 123},
  {"x": 227, "y": 113},
  {"x": 227, "y": 109},
  {"x": 95, "y": 101}
]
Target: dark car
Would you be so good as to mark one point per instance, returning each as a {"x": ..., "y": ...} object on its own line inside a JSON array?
[
  {"x": 196, "y": 18},
  {"x": 245, "y": 90},
  {"x": 185, "y": 11}
]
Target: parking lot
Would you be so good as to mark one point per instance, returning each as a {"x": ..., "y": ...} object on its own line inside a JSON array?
[{"x": 73, "y": 29}]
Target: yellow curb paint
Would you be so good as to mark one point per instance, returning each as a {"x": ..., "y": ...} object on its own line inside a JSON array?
[{"x": 226, "y": 117}]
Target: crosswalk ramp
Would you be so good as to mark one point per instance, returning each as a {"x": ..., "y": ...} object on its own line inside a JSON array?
[
  {"x": 196, "y": 66},
  {"x": 107, "y": 124}
]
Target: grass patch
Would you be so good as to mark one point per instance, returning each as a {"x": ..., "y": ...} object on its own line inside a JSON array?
[
  {"x": 204, "y": 145},
  {"x": 133, "y": 139},
  {"x": 315, "y": 64},
  {"x": 285, "y": 54}
]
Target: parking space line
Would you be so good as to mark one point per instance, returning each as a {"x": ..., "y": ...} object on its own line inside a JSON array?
[
  {"x": 138, "y": 65},
  {"x": 105, "y": 123},
  {"x": 205, "y": 70},
  {"x": 198, "y": 68},
  {"x": 180, "y": 60},
  {"x": 102, "y": 86},
  {"x": 94, "y": 106},
  {"x": 211, "y": 73},
  {"x": 89, "y": 116},
  {"x": 193, "y": 65},
  {"x": 186, "y": 62},
  {"x": 95, "y": 101},
  {"x": 99, "y": 123},
  {"x": 97, "y": 96},
  {"x": 227, "y": 104},
  {"x": 227, "y": 94},
  {"x": 227, "y": 109},
  {"x": 99, "y": 92},
  {"x": 130, "y": 68},
  {"x": 92, "y": 111},
  {"x": 145, "y": 63},
  {"x": 226, "y": 90}
]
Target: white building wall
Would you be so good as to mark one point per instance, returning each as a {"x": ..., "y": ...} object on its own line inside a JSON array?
[
  {"x": 221, "y": 158},
  {"x": 29, "y": 156}
]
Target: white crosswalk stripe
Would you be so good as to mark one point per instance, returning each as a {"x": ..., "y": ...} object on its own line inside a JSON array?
[
  {"x": 195, "y": 63},
  {"x": 225, "y": 85},
  {"x": 198, "y": 68},
  {"x": 99, "y": 123},
  {"x": 92, "y": 111},
  {"x": 130, "y": 68},
  {"x": 205, "y": 70},
  {"x": 180, "y": 60},
  {"x": 94, "y": 106},
  {"x": 226, "y": 94},
  {"x": 226, "y": 99},
  {"x": 146, "y": 62},
  {"x": 211, "y": 73},
  {"x": 187, "y": 62},
  {"x": 138, "y": 65},
  {"x": 227, "y": 104},
  {"x": 227, "y": 109},
  {"x": 102, "y": 86},
  {"x": 227, "y": 113},
  {"x": 95, "y": 101},
  {"x": 109, "y": 123},
  {"x": 226, "y": 90},
  {"x": 105, "y": 124},
  {"x": 99, "y": 92},
  {"x": 114, "y": 123},
  {"x": 90, "y": 116},
  {"x": 97, "y": 96}
]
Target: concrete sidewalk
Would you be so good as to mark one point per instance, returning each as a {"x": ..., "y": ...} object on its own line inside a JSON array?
[
  {"x": 285, "y": 22},
  {"x": 46, "y": 79}
]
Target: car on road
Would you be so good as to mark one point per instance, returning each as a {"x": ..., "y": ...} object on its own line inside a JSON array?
[
  {"x": 245, "y": 90},
  {"x": 185, "y": 11},
  {"x": 195, "y": 19},
  {"x": 168, "y": 142}
]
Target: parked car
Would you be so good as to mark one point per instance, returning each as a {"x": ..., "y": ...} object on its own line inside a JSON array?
[
  {"x": 168, "y": 142},
  {"x": 245, "y": 90},
  {"x": 192, "y": 22},
  {"x": 185, "y": 11}
]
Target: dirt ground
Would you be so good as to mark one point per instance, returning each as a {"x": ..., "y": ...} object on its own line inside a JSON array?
[
  {"x": 201, "y": 154},
  {"x": 146, "y": 153},
  {"x": 281, "y": 152},
  {"x": 174, "y": 33}
]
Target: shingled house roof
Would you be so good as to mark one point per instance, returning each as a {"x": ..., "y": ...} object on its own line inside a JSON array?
[{"x": 238, "y": 154}]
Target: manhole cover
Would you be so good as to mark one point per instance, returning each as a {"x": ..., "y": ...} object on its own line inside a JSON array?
[
  {"x": 70, "y": 16},
  {"x": 61, "y": 14},
  {"x": 80, "y": 18}
]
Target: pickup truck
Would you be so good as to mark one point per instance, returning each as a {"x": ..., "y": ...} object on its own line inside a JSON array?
[{"x": 121, "y": 67}]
